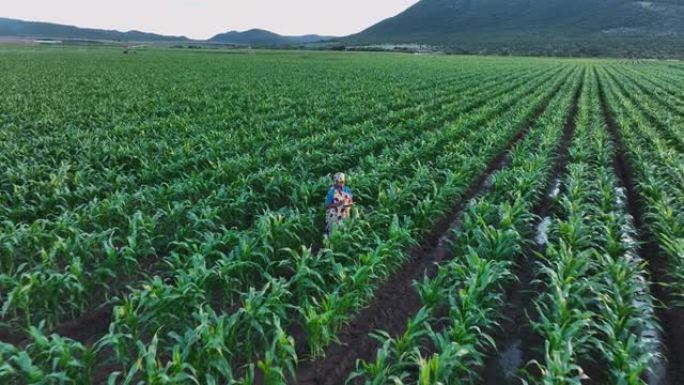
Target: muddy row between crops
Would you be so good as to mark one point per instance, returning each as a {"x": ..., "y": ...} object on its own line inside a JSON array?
[
  {"x": 517, "y": 342},
  {"x": 396, "y": 300},
  {"x": 670, "y": 319}
]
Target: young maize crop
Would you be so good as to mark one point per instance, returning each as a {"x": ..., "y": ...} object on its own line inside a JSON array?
[
  {"x": 596, "y": 301},
  {"x": 162, "y": 218}
]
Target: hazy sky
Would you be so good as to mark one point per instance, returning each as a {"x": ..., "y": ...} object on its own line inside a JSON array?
[{"x": 204, "y": 18}]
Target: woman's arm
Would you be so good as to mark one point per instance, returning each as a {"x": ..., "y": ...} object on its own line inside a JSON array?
[{"x": 330, "y": 200}]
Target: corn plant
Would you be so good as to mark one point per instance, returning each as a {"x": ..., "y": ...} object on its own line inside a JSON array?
[{"x": 46, "y": 360}]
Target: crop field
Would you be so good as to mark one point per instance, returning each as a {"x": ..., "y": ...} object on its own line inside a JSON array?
[{"x": 516, "y": 220}]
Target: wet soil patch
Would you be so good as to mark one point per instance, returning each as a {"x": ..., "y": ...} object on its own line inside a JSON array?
[
  {"x": 89, "y": 327},
  {"x": 86, "y": 328}
]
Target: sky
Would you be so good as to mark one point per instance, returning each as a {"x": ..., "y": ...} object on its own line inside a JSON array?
[{"x": 201, "y": 19}]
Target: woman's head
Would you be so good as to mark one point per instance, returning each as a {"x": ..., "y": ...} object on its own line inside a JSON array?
[{"x": 340, "y": 179}]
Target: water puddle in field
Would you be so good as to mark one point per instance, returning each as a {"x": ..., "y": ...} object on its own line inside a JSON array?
[
  {"x": 627, "y": 231},
  {"x": 657, "y": 371},
  {"x": 656, "y": 374},
  {"x": 445, "y": 241},
  {"x": 542, "y": 237},
  {"x": 489, "y": 182},
  {"x": 510, "y": 359},
  {"x": 556, "y": 189},
  {"x": 620, "y": 196}
]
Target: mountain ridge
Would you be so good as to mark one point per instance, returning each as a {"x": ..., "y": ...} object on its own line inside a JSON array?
[
  {"x": 599, "y": 26},
  {"x": 48, "y": 30},
  {"x": 257, "y": 36}
]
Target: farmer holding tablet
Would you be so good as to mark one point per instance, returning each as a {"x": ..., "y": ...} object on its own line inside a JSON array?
[{"x": 338, "y": 202}]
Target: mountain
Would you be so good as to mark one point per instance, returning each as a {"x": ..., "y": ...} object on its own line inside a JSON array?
[
  {"x": 33, "y": 29},
  {"x": 260, "y": 37},
  {"x": 531, "y": 26},
  {"x": 255, "y": 37}
]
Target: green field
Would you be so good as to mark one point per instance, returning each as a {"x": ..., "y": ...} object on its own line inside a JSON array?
[{"x": 162, "y": 218}]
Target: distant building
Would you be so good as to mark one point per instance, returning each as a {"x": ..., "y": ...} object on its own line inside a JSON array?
[{"x": 44, "y": 41}]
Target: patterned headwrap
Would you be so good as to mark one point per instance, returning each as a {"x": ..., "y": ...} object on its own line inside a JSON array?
[{"x": 340, "y": 177}]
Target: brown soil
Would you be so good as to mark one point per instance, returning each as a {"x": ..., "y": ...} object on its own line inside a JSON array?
[
  {"x": 670, "y": 319},
  {"x": 396, "y": 300},
  {"x": 85, "y": 329},
  {"x": 89, "y": 327},
  {"x": 14, "y": 338}
]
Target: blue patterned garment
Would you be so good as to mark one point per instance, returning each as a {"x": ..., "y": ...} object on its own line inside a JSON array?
[{"x": 336, "y": 215}]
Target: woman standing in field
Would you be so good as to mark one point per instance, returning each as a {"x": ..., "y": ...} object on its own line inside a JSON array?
[{"x": 338, "y": 202}]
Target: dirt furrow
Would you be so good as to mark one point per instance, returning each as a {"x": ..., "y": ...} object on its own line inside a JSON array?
[
  {"x": 517, "y": 341},
  {"x": 670, "y": 319},
  {"x": 396, "y": 300}
]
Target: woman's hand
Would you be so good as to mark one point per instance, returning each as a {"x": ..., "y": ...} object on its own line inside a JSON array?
[{"x": 343, "y": 203}]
